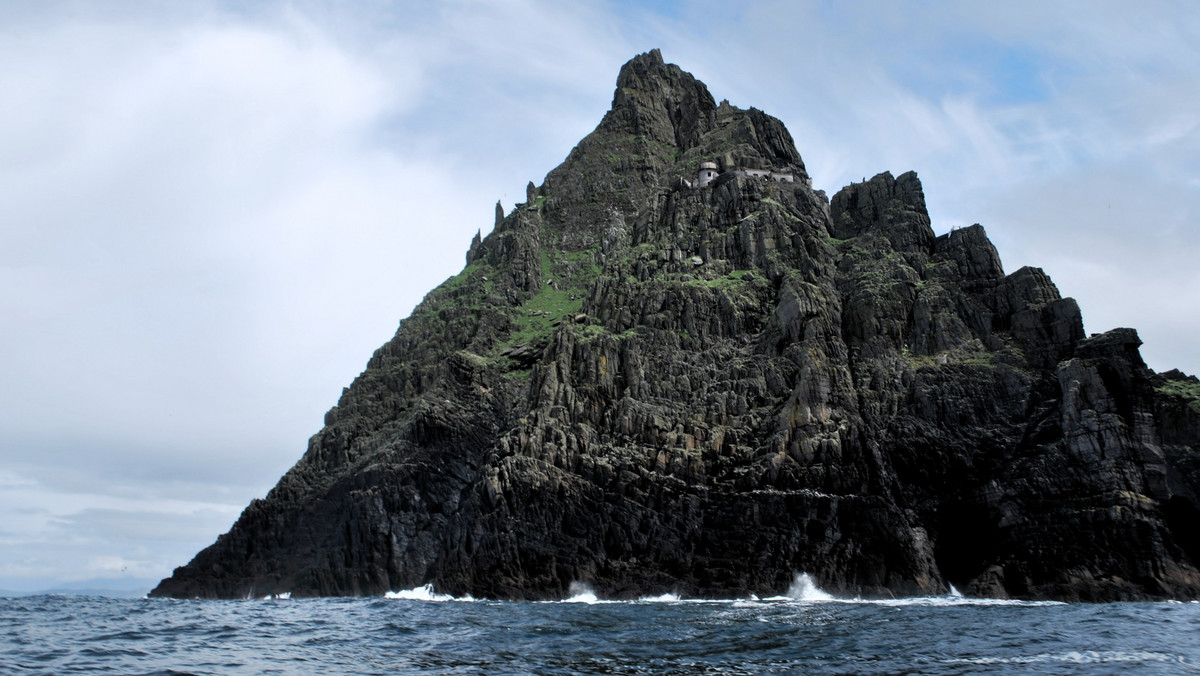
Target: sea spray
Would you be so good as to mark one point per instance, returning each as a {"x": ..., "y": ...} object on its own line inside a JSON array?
[
  {"x": 661, "y": 598},
  {"x": 804, "y": 588},
  {"x": 581, "y": 592},
  {"x": 424, "y": 593}
]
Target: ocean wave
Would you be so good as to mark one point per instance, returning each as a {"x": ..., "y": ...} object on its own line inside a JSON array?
[
  {"x": 661, "y": 598},
  {"x": 581, "y": 592},
  {"x": 416, "y": 635},
  {"x": 425, "y": 592}
]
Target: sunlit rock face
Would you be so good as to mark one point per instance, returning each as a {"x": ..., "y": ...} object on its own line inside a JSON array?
[{"x": 654, "y": 384}]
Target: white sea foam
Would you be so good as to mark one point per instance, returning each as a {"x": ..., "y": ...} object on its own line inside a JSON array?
[
  {"x": 804, "y": 588},
  {"x": 581, "y": 592},
  {"x": 424, "y": 593},
  {"x": 951, "y": 598}
]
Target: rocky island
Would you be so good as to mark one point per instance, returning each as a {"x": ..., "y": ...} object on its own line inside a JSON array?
[{"x": 677, "y": 367}]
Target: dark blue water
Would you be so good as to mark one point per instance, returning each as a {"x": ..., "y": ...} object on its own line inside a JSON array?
[{"x": 71, "y": 635}]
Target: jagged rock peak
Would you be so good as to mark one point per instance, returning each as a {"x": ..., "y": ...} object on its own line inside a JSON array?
[
  {"x": 669, "y": 105},
  {"x": 662, "y": 101},
  {"x": 894, "y": 207},
  {"x": 662, "y": 126}
]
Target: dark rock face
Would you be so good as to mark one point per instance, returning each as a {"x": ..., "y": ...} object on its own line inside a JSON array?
[{"x": 654, "y": 388}]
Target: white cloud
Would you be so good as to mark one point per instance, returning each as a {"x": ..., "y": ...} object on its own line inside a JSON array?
[
  {"x": 51, "y": 536},
  {"x": 215, "y": 216}
]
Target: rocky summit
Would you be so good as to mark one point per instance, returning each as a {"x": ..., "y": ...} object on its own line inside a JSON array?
[{"x": 678, "y": 368}]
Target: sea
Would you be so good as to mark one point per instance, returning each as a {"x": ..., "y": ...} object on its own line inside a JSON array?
[{"x": 422, "y": 632}]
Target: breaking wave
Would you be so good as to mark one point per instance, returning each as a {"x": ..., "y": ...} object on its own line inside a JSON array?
[
  {"x": 424, "y": 593},
  {"x": 804, "y": 588},
  {"x": 661, "y": 598},
  {"x": 581, "y": 592}
]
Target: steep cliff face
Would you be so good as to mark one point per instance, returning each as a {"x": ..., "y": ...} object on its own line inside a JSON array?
[{"x": 652, "y": 388}]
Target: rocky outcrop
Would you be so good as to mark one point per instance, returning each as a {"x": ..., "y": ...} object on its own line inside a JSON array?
[{"x": 652, "y": 388}]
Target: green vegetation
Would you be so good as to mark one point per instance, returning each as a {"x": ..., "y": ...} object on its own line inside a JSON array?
[
  {"x": 591, "y": 332},
  {"x": 878, "y": 273},
  {"x": 735, "y": 279},
  {"x": 872, "y": 279},
  {"x": 643, "y": 250},
  {"x": 453, "y": 284},
  {"x": 916, "y": 361},
  {"x": 849, "y": 247},
  {"x": 1188, "y": 390},
  {"x": 537, "y": 317},
  {"x": 782, "y": 210},
  {"x": 566, "y": 276},
  {"x": 475, "y": 359},
  {"x": 584, "y": 268},
  {"x": 479, "y": 275}
]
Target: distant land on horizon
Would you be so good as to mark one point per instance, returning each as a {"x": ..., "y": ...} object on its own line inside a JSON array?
[{"x": 115, "y": 588}]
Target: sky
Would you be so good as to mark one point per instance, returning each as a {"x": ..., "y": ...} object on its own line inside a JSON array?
[{"x": 213, "y": 212}]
